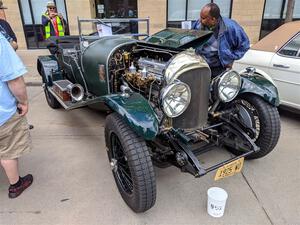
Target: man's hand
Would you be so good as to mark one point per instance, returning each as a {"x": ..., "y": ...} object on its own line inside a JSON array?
[
  {"x": 52, "y": 14},
  {"x": 229, "y": 66},
  {"x": 22, "y": 108},
  {"x": 60, "y": 15},
  {"x": 14, "y": 45}
]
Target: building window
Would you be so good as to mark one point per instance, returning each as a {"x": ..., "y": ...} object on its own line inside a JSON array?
[
  {"x": 274, "y": 15},
  {"x": 116, "y": 9},
  {"x": 31, "y": 12},
  {"x": 194, "y": 7},
  {"x": 292, "y": 49},
  {"x": 181, "y": 10}
]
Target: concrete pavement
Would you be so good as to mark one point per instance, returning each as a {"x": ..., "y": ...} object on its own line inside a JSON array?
[
  {"x": 74, "y": 184},
  {"x": 29, "y": 58}
]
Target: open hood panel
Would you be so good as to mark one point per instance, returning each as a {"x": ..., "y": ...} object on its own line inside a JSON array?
[{"x": 179, "y": 38}]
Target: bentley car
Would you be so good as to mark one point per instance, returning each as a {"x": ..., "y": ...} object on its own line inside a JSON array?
[{"x": 164, "y": 107}]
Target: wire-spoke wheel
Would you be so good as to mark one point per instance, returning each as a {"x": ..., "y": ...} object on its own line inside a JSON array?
[
  {"x": 120, "y": 165},
  {"x": 131, "y": 164},
  {"x": 264, "y": 121}
]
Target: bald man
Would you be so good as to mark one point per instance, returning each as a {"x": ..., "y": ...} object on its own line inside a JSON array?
[{"x": 229, "y": 41}]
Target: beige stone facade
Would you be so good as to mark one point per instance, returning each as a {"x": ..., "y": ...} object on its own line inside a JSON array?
[
  {"x": 79, "y": 8},
  {"x": 248, "y": 13},
  {"x": 156, "y": 10}
]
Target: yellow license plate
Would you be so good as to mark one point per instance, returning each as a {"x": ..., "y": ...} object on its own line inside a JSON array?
[{"x": 230, "y": 169}]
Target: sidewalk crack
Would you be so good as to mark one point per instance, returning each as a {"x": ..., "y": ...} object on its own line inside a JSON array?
[{"x": 263, "y": 208}]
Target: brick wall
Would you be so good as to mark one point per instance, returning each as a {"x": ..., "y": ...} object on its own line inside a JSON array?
[
  {"x": 156, "y": 10},
  {"x": 248, "y": 13},
  {"x": 83, "y": 9}
]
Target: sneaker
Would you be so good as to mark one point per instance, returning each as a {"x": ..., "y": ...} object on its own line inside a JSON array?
[{"x": 26, "y": 181}]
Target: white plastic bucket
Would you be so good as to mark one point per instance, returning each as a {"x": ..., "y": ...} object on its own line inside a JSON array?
[{"x": 216, "y": 201}]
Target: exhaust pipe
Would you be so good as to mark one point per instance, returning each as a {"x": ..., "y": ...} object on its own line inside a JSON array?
[{"x": 76, "y": 92}]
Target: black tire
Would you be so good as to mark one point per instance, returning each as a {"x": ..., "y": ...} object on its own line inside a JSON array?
[
  {"x": 265, "y": 120},
  {"x": 133, "y": 170},
  {"x": 51, "y": 100}
]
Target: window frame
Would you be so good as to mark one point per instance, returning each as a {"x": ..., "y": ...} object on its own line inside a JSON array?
[{"x": 288, "y": 42}]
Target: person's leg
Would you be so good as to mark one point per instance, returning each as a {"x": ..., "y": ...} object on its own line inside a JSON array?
[
  {"x": 11, "y": 169},
  {"x": 15, "y": 141},
  {"x": 17, "y": 184}
]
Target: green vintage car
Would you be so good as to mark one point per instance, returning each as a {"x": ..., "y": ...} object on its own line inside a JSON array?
[{"x": 164, "y": 108}]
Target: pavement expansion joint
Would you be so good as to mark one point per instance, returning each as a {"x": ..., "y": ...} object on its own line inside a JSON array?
[{"x": 255, "y": 195}]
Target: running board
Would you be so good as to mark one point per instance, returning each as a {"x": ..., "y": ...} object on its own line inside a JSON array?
[{"x": 69, "y": 105}]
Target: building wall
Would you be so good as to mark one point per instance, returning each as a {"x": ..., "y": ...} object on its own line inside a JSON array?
[
  {"x": 248, "y": 13},
  {"x": 84, "y": 9},
  {"x": 156, "y": 10}
]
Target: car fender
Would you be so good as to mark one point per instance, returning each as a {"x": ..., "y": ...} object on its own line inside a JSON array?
[
  {"x": 47, "y": 66},
  {"x": 260, "y": 85},
  {"x": 137, "y": 112},
  {"x": 262, "y": 73}
]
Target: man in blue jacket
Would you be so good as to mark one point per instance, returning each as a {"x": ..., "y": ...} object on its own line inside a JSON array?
[{"x": 229, "y": 41}]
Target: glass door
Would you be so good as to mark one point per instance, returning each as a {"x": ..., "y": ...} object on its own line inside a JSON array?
[
  {"x": 116, "y": 9},
  {"x": 107, "y": 9},
  {"x": 32, "y": 11}
]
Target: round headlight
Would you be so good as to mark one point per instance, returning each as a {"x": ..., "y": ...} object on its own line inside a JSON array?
[
  {"x": 175, "y": 98},
  {"x": 229, "y": 86}
]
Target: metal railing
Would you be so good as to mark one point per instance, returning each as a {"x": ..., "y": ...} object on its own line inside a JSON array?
[{"x": 110, "y": 22}]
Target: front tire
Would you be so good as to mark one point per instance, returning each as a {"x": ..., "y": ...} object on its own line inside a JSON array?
[
  {"x": 131, "y": 164},
  {"x": 265, "y": 121}
]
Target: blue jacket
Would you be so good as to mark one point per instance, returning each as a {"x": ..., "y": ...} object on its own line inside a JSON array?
[{"x": 233, "y": 41}]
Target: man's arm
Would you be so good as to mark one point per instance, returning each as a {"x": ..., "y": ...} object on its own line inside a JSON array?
[
  {"x": 196, "y": 25},
  {"x": 10, "y": 31},
  {"x": 18, "y": 89},
  {"x": 45, "y": 20},
  {"x": 241, "y": 44}
]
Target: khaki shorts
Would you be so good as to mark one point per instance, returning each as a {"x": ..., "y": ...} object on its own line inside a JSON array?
[{"x": 15, "y": 138}]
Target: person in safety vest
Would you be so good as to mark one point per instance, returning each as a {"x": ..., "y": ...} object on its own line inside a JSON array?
[{"x": 54, "y": 24}]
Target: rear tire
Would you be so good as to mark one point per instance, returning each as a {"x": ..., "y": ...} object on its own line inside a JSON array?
[
  {"x": 51, "y": 100},
  {"x": 131, "y": 164},
  {"x": 265, "y": 120}
]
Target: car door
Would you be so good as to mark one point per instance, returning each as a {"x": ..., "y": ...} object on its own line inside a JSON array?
[{"x": 285, "y": 70}]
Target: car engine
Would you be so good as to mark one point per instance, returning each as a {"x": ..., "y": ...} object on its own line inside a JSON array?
[{"x": 154, "y": 72}]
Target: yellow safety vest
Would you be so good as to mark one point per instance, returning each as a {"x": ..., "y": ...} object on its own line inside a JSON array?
[{"x": 60, "y": 27}]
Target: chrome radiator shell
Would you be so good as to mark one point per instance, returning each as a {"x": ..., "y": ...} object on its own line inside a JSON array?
[{"x": 195, "y": 116}]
